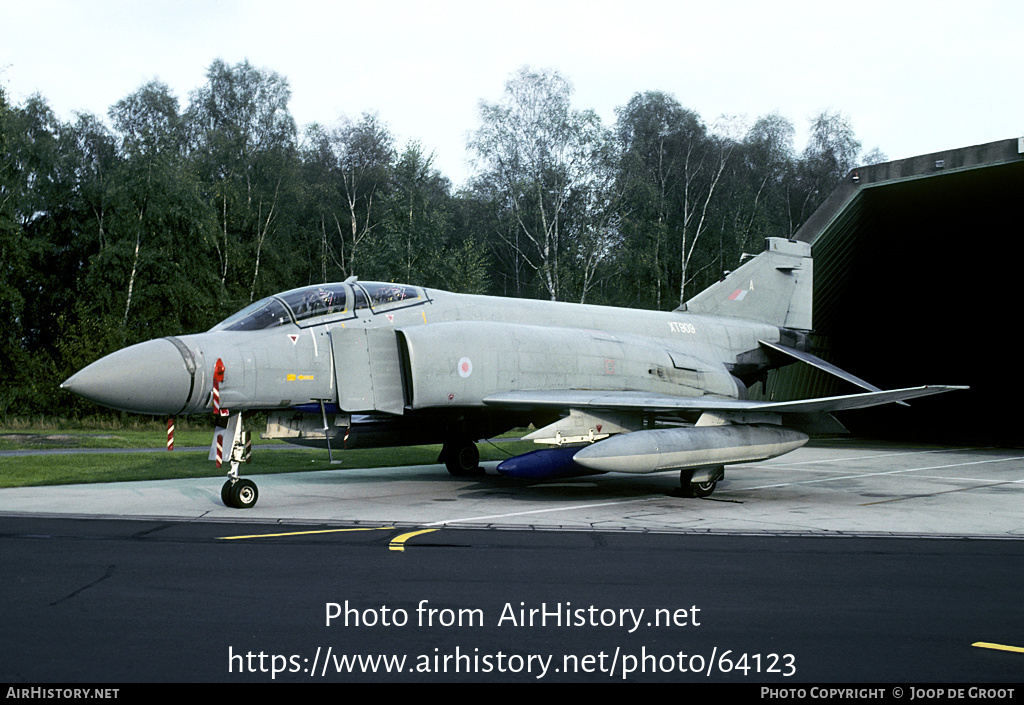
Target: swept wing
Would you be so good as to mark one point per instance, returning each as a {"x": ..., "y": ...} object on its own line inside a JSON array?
[{"x": 641, "y": 401}]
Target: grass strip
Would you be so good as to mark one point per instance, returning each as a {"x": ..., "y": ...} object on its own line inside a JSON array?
[{"x": 77, "y": 468}]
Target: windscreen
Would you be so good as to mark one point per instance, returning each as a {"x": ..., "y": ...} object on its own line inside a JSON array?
[{"x": 265, "y": 313}]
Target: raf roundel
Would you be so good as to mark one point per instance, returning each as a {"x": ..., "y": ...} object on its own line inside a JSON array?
[{"x": 465, "y": 367}]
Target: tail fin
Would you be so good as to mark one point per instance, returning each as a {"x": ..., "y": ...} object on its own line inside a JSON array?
[{"x": 774, "y": 287}]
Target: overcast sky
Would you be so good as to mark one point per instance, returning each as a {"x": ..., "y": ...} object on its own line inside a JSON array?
[{"x": 913, "y": 77}]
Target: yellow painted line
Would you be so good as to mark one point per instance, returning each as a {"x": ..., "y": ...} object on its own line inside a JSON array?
[
  {"x": 398, "y": 543},
  {"x": 304, "y": 533},
  {"x": 998, "y": 647}
]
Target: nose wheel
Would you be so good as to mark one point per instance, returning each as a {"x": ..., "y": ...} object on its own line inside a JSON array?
[{"x": 239, "y": 493}]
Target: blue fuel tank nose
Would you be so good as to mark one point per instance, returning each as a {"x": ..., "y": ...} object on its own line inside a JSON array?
[
  {"x": 147, "y": 378},
  {"x": 544, "y": 464}
]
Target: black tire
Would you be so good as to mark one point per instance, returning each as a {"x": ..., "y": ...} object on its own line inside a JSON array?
[
  {"x": 702, "y": 489},
  {"x": 243, "y": 494},
  {"x": 225, "y": 494},
  {"x": 695, "y": 489},
  {"x": 463, "y": 460}
]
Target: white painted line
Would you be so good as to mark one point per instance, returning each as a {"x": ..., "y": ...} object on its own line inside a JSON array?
[
  {"x": 881, "y": 474},
  {"x": 868, "y": 457},
  {"x": 569, "y": 508}
]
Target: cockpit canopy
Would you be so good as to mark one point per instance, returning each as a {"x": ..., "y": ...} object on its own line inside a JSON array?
[{"x": 322, "y": 303}]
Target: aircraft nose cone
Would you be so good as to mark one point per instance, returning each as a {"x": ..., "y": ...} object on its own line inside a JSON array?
[{"x": 147, "y": 378}]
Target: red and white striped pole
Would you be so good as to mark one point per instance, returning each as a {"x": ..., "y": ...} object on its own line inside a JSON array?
[
  {"x": 218, "y": 377},
  {"x": 170, "y": 433}
]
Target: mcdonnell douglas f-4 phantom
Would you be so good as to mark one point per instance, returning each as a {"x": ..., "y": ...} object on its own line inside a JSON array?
[{"x": 364, "y": 364}]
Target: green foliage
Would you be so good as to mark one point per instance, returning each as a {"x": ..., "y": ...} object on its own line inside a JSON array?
[
  {"x": 347, "y": 171},
  {"x": 65, "y": 469},
  {"x": 169, "y": 219},
  {"x": 15, "y": 255},
  {"x": 546, "y": 172}
]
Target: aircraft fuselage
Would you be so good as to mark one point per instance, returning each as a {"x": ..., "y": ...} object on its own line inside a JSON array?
[{"x": 478, "y": 345}]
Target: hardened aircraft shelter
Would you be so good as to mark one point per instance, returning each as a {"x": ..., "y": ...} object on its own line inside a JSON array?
[{"x": 918, "y": 281}]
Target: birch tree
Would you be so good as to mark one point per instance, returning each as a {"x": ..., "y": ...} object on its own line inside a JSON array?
[
  {"x": 831, "y": 152},
  {"x": 671, "y": 171},
  {"x": 536, "y": 159},
  {"x": 347, "y": 169},
  {"x": 244, "y": 143},
  {"x": 161, "y": 223}
]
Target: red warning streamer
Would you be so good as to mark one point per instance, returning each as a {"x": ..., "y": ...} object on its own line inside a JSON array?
[{"x": 218, "y": 377}]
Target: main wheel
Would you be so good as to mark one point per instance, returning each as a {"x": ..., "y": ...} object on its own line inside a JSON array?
[
  {"x": 462, "y": 460},
  {"x": 242, "y": 494},
  {"x": 702, "y": 489},
  {"x": 699, "y": 489}
]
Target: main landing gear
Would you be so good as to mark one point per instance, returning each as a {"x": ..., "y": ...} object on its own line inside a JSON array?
[
  {"x": 461, "y": 456},
  {"x": 702, "y": 481}
]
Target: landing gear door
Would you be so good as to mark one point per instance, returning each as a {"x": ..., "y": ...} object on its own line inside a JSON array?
[{"x": 368, "y": 370}]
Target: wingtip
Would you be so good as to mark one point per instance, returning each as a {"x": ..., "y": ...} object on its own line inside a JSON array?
[{"x": 940, "y": 388}]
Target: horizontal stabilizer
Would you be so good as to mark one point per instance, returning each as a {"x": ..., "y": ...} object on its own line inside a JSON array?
[{"x": 818, "y": 363}]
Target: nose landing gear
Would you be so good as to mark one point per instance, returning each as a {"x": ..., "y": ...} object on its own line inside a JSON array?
[{"x": 236, "y": 493}]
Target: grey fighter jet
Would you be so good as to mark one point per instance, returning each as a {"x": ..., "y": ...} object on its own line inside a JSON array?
[{"x": 365, "y": 364}]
